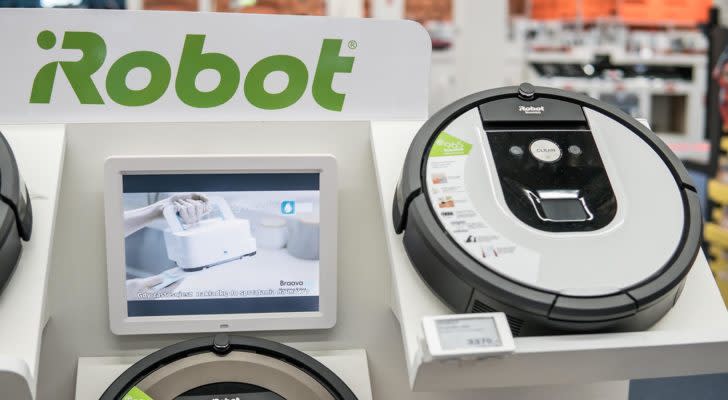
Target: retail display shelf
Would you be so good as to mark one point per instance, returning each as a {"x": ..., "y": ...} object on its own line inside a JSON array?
[
  {"x": 717, "y": 215},
  {"x": 674, "y": 103},
  {"x": 716, "y": 234},
  {"x": 687, "y": 148},
  {"x": 647, "y": 93},
  {"x": 718, "y": 191},
  {"x": 618, "y": 57},
  {"x": 719, "y": 265},
  {"x": 572, "y": 55},
  {"x": 95, "y": 374},
  {"x": 653, "y": 87},
  {"x": 714, "y": 251},
  {"x": 694, "y": 331},
  {"x": 39, "y": 151}
]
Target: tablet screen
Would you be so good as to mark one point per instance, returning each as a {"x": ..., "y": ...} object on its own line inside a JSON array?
[{"x": 219, "y": 243}]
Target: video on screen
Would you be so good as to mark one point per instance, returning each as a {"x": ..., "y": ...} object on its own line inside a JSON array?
[{"x": 221, "y": 243}]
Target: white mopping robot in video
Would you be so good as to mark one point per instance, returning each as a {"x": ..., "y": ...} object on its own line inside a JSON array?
[{"x": 211, "y": 241}]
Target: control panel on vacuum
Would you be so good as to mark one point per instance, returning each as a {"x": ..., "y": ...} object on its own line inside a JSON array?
[{"x": 547, "y": 162}]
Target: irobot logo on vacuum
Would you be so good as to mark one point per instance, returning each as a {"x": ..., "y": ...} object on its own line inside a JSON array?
[{"x": 532, "y": 109}]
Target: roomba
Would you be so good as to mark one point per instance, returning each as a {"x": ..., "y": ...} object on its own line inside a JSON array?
[
  {"x": 228, "y": 367},
  {"x": 559, "y": 210},
  {"x": 16, "y": 213}
]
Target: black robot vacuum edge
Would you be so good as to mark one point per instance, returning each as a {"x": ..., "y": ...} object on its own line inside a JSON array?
[
  {"x": 223, "y": 344},
  {"x": 16, "y": 213}
]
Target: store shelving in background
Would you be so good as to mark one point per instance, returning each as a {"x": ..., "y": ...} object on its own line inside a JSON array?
[
  {"x": 716, "y": 228},
  {"x": 647, "y": 57},
  {"x": 715, "y": 233}
]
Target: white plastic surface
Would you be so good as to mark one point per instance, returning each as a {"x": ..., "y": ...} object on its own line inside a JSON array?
[
  {"x": 691, "y": 339},
  {"x": 95, "y": 374},
  {"x": 39, "y": 152}
]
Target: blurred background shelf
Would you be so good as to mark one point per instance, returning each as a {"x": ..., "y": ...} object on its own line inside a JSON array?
[
  {"x": 716, "y": 235},
  {"x": 718, "y": 192}
]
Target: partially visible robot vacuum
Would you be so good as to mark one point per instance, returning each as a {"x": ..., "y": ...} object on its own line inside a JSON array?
[
  {"x": 16, "y": 214},
  {"x": 232, "y": 367},
  {"x": 559, "y": 210}
]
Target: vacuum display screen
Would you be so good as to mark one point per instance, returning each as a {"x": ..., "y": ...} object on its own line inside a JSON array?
[{"x": 205, "y": 244}]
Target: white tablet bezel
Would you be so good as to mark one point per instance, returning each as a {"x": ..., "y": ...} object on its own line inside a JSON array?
[{"x": 122, "y": 324}]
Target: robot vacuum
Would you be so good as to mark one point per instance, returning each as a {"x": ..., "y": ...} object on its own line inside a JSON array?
[
  {"x": 228, "y": 367},
  {"x": 16, "y": 214},
  {"x": 561, "y": 211}
]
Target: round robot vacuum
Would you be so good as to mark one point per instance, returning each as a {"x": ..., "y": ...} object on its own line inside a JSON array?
[
  {"x": 16, "y": 213},
  {"x": 228, "y": 367},
  {"x": 561, "y": 211}
]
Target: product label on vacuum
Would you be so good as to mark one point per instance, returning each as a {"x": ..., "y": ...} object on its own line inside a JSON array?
[
  {"x": 136, "y": 394},
  {"x": 456, "y": 211}
]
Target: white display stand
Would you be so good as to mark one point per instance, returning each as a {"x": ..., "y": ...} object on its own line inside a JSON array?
[
  {"x": 95, "y": 374},
  {"x": 39, "y": 153},
  {"x": 691, "y": 339}
]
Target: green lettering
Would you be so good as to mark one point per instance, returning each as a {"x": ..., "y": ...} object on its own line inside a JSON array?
[
  {"x": 78, "y": 73},
  {"x": 329, "y": 64},
  {"x": 193, "y": 62},
  {"x": 158, "y": 68},
  {"x": 254, "y": 88},
  {"x": 93, "y": 54},
  {"x": 43, "y": 82}
]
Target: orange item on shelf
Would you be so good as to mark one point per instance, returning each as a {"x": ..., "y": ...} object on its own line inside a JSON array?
[
  {"x": 632, "y": 12},
  {"x": 259, "y": 10},
  {"x": 293, "y": 7},
  {"x": 587, "y": 10},
  {"x": 428, "y": 10},
  {"x": 592, "y": 10},
  {"x": 170, "y": 5},
  {"x": 661, "y": 12}
]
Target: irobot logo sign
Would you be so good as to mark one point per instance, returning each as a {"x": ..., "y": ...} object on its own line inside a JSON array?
[
  {"x": 192, "y": 61},
  {"x": 106, "y": 66}
]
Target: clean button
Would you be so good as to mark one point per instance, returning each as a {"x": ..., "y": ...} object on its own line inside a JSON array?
[{"x": 545, "y": 150}]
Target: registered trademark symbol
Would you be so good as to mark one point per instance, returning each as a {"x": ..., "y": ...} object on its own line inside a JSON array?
[{"x": 353, "y": 44}]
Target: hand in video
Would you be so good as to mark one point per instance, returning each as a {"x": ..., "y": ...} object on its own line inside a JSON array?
[
  {"x": 191, "y": 207},
  {"x": 167, "y": 281},
  {"x": 136, "y": 286}
]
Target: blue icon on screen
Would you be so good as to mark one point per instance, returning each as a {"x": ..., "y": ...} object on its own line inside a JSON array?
[{"x": 288, "y": 207}]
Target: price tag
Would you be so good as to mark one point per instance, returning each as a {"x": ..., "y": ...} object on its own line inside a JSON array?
[
  {"x": 465, "y": 333},
  {"x": 468, "y": 336}
]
